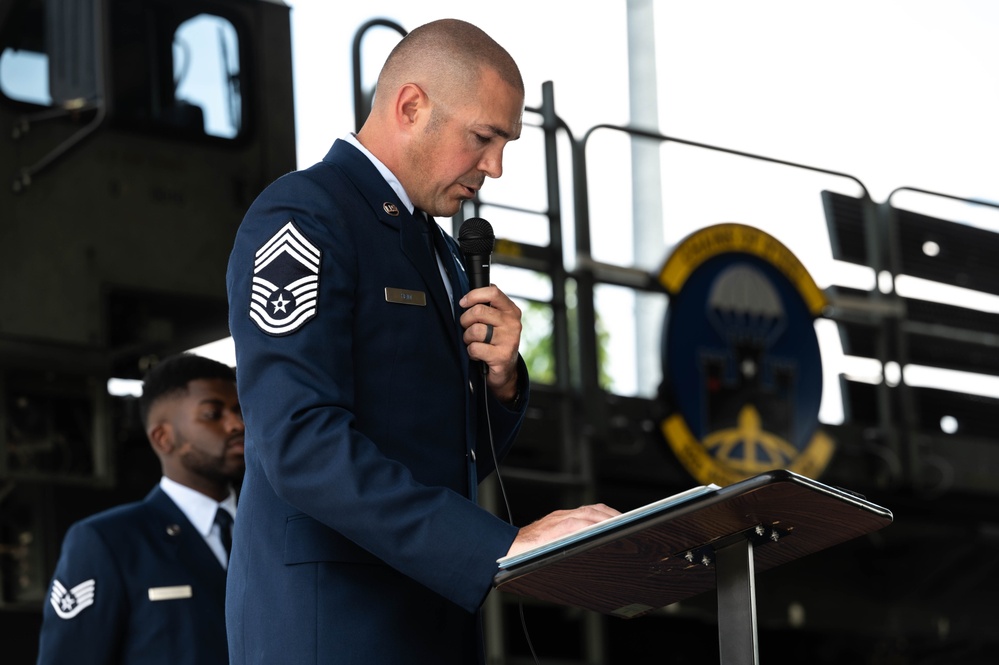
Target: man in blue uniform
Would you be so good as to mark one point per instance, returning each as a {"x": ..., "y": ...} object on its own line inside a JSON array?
[
  {"x": 358, "y": 345},
  {"x": 145, "y": 582}
]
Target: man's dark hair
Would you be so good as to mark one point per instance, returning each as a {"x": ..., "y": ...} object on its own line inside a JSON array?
[{"x": 172, "y": 374}]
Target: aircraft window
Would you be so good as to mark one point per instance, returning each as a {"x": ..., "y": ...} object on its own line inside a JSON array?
[
  {"x": 24, "y": 76},
  {"x": 206, "y": 72},
  {"x": 24, "y": 63},
  {"x": 172, "y": 69}
]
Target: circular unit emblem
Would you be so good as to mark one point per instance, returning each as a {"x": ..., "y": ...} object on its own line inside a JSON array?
[{"x": 741, "y": 364}]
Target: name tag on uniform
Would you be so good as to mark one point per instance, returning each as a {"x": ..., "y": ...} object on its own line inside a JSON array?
[
  {"x": 405, "y": 296},
  {"x": 170, "y": 592}
]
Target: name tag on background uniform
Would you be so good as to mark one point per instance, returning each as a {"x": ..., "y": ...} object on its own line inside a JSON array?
[
  {"x": 405, "y": 296},
  {"x": 170, "y": 592}
]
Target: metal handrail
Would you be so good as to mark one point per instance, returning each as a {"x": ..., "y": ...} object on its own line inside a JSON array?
[{"x": 362, "y": 104}]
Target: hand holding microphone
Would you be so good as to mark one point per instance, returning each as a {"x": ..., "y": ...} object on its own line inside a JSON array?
[{"x": 491, "y": 320}]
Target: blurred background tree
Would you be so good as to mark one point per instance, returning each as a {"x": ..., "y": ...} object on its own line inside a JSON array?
[{"x": 536, "y": 342}]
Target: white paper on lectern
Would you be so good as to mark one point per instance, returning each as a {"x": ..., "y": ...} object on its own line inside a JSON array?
[{"x": 606, "y": 525}]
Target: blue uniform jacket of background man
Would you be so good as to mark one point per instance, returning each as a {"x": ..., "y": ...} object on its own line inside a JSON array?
[
  {"x": 358, "y": 539},
  {"x": 128, "y": 552}
]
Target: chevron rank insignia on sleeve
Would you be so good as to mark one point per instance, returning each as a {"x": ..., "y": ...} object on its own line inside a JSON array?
[
  {"x": 285, "y": 282},
  {"x": 67, "y": 603}
]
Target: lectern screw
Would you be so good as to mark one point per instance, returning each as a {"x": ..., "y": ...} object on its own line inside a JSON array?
[
  {"x": 774, "y": 536},
  {"x": 760, "y": 530},
  {"x": 689, "y": 556},
  {"x": 706, "y": 560}
]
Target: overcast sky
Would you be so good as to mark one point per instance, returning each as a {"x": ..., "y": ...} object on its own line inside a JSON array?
[{"x": 894, "y": 92}]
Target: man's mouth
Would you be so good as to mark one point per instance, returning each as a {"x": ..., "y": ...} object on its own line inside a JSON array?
[{"x": 472, "y": 189}]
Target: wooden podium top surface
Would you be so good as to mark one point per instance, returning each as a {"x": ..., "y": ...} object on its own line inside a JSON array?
[{"x": 667, "y": 554}]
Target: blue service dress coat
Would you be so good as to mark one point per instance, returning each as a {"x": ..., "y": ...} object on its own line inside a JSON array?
[
  {"x": 359, "y": 539},
  {"x": 135, "y": 584}
]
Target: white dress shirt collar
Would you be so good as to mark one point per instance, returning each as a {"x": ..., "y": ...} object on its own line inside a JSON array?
[
  {"x": 390, "y": 178},
  {"x": 198, "y": 508}
]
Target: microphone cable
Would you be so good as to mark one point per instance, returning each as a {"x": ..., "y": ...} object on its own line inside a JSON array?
[
  {"x": 476, "y": 241},
  {"x": 506, "y": 501}
]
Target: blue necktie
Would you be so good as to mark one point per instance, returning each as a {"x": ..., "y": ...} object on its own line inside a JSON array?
[
  {"x": 224, "y": 520},
  {"x": 444, "y": 252}
]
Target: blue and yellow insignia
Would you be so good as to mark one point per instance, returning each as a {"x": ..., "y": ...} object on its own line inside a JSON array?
[{"x": 742, "y": 371}]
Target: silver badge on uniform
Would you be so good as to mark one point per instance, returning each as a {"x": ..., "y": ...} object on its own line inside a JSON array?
[
  {"x": 171, "y": 592},
  {"x": 67, "y": 603},
  {"x": 285, "y": 282}
]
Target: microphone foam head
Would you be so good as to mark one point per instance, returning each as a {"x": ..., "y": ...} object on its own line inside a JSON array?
[{"x": 476, "y": 236}]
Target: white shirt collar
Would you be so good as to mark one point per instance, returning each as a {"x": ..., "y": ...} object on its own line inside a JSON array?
[
  {"x": 390, "y": 178},
  {"x": 198, "y": 508}
]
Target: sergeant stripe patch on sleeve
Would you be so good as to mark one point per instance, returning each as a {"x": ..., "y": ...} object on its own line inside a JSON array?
[
  {"x": 67, "y": 603},
  {"x": 285, "y": 282}
]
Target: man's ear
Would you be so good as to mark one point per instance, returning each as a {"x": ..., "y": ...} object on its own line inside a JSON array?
[
  {"x": 409, "y": 104},
  {"x": 161, "y": 437}
]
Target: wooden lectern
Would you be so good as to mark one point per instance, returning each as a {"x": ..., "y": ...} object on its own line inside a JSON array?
[{"x": 689, "y": 543}]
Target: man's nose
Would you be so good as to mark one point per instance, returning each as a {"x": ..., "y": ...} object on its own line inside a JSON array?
[
  {"x": 492, "y": 162},
  {"x": 234, "y": 422}
]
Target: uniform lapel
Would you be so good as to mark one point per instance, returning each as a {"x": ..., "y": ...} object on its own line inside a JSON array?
[
  {"x": 188, "y": 545},
  {"x": 417, "y": 245},
  {"x": 414, "y": 240}
]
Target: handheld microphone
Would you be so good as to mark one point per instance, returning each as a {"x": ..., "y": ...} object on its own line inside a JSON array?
[{"x": 476, "y": 239}]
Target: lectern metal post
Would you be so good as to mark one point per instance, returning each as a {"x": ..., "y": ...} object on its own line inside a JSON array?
[{"x": 736, "y": 603}]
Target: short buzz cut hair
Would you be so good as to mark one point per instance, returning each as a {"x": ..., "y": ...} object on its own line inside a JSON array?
[
  {"x": 448, "y": 53},
  {"x": 171, "y": 375}
]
